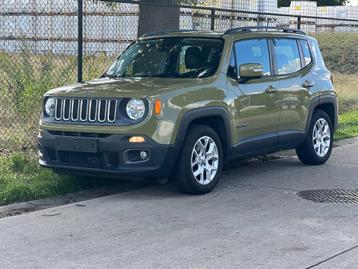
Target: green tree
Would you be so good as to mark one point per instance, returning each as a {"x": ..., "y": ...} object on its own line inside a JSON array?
[{"x": 286, "y": 3}]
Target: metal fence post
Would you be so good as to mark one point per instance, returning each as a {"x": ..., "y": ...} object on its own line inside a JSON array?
[
  {"x": 212, "y": 17},
  {"x": 80, "y": 41},
  {"x": 299, "y": 22}
]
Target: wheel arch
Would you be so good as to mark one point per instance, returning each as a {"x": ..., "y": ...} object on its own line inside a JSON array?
[
  {"x": 327, "y": 104},
  {"x": 215, "y": 117}
]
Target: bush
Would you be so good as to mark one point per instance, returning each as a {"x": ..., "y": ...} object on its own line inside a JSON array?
[
  {"x": 340, "y": 51},
  {"x": 24, "y": 78}
]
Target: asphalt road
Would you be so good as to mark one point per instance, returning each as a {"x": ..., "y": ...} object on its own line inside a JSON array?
[{"x": 253, "y": 219}]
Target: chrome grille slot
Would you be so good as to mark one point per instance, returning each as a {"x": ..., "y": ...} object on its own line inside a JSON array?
[
  {"x": 83, "y": 109},
  {"x": 93, "y": 110},
  {"x": 102, "y": 110},
  {"x": 66, "y": 109},
  {"x": 112, "y": 110},
  {"x": 86, "y": 110},
  {"x": 75, "y": 109},
  {"x": 58, "y": 109}
]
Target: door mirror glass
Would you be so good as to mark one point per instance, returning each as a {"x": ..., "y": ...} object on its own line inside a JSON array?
[{"x": 253, "y": 70}]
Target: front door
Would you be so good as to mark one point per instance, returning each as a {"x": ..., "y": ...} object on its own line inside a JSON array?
[{"x": 257, "y": 100}]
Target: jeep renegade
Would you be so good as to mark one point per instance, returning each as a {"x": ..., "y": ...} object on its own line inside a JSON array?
[{"x": 181, "y": 104}]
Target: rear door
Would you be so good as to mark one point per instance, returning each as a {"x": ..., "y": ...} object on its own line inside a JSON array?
[
  {"x": 257, "y": 102},
  {"x": 293, "y": 64}
]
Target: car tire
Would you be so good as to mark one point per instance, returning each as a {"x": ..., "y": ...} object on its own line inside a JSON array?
[
  {"x": 200, "y": 162},
  {"x": 317, "y": 147}
]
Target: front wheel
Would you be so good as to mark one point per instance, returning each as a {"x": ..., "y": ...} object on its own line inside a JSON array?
[
  {"x": 201, "y": 160},
  {"x": 317, "y": 147}
]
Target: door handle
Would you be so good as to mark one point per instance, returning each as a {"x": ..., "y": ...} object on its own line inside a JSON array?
[
  {"x": 307, "y": 85},
  {"x": 271, "y": 89}
]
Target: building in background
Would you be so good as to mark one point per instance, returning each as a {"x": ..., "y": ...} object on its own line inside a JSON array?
[
  {"x": 51, "y": 25},
  {"x": 313, "y": 25}
]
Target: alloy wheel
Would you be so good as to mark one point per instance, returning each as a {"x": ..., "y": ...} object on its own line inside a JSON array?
[
  {"x": 204, "y": 160},
  {"x": 321, "y": 137}
]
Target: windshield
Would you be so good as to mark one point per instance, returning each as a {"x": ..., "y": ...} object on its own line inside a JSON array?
[{"x": 174, "y": 57}]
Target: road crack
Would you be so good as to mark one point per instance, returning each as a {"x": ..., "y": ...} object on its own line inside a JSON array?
[{"x": 332, "y": 257}]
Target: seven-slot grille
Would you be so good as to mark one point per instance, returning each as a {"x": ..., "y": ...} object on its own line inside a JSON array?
[{"x": 86, "y": 110}]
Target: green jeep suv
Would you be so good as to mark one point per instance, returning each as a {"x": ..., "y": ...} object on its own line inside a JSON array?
[{"x": 180, "y": 104}]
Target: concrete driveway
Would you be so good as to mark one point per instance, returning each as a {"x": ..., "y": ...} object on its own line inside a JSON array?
[{"x": 253, "y": 219}]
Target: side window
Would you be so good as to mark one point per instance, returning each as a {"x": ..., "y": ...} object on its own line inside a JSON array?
[
  {"x": 287, "y": 56},
  {"x": 306, "y": 52},
  {"x": 253, "y": 51}
]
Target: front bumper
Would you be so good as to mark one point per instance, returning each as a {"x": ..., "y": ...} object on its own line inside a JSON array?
[{"x": 109, "y": 158}]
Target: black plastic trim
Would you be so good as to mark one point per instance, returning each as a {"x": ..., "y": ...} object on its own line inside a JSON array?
[
  {"x": 199, "y": 113},
  {"x": 257, "y": 142},
  {"x": 267, "y": 143},
  {"x": 160, "y": 164},
  {"x": 329, "y": 99},
  {"x": 287, "y": 138},
  {"x": 320, "y": 100},
  {"x": 314, "y": 103}
]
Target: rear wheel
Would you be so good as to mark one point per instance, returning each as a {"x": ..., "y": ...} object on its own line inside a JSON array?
[
  {"x": 318, "y": 145},
  {"x": 200, "y": 163}
]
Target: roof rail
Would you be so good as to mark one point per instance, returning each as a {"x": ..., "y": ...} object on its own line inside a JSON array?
[
  {"x": 166, "y": 32},
  {"x": 264, "y": 29}
]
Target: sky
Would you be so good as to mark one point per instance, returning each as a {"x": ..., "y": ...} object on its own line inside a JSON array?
[{"x": 353, "y": 3}]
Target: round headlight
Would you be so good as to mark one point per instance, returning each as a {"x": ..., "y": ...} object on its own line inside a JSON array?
[
  {"x": 135, "y": 109},
  {"x": 50, "y": 107}
]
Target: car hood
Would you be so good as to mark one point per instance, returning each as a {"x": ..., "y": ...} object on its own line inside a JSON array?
[{"x": 124, "y": 87}]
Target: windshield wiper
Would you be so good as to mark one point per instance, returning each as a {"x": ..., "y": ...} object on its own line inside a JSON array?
[{"x": 111, "y": 76}]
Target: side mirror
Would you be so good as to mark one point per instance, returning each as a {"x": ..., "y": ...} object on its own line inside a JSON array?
[{"x": 253, "y": 70}]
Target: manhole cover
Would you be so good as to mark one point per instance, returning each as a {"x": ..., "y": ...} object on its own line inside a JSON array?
[{"x": 330, "y": 196}]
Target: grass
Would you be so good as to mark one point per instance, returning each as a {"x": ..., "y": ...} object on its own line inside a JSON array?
[
  {"x": 348, "y": 125},
  {"x": 347, "y": 89},
  {"x": 22, "y": 179}
]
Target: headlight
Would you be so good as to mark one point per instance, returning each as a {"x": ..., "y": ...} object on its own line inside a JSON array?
[
  {"x": 50, "y": 107},
  {"x": 135, "y": 109}
]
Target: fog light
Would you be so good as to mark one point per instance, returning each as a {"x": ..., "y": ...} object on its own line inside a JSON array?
[
  {"x": 136, "y": 139},
  {"x": 133, "y": 156},
  {"x": 143, "y": 155}
]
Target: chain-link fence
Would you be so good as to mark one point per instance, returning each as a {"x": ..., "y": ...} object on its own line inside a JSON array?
[{"x": 50, "y": 43}]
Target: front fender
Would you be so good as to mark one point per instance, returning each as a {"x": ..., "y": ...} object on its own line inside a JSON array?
[{"x": 199, "y": 113}]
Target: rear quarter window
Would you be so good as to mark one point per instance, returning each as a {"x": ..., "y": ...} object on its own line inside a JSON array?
[{"x": 306, "y": 52}]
